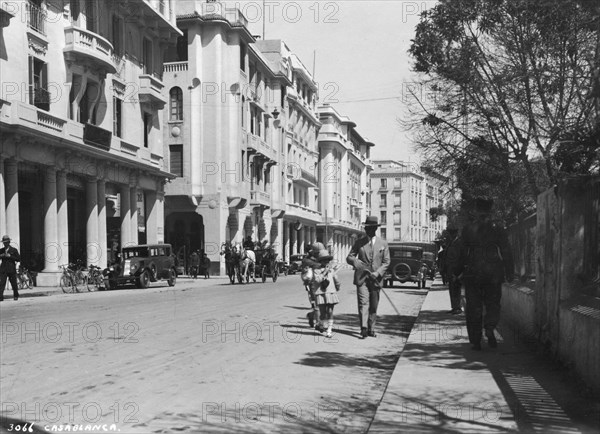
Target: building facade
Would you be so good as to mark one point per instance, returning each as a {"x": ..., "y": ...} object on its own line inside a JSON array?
[
  {"x": 81, "y": 155},
  {"x": 402, "y": 197},
  {"x": 225, "y": 136},
  {"x": 344, "y": 173},
  {"x": 300, "y": 127}
]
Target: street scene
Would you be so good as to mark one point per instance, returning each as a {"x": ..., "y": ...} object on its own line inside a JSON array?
[{"x": 284, "y": 216}]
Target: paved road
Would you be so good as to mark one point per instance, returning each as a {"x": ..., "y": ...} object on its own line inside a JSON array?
[{"x": 199, "y": 357}]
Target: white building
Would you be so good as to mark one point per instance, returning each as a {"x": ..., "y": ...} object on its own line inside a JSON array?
[
  {"x": 81, "y": 156},
  {"x": 402, "y": 197}
]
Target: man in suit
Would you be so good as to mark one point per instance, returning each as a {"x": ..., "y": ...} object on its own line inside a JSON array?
[
  {"x": 370, "y": 257},
  {"x": 485, "y": 261},
  {"x": 8, "y": 268}
]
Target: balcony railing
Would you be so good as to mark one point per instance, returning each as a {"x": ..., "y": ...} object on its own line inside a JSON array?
[
  {"x": 80, "y": 43},
  {"x": 175, "y": 66},
  {"x": 96, "y": 136},
  {"x": 36, "y": 18},
  {"x": 40, "y": 98},
  {"x": 151, "y": 91},
  {"x": 260, "y": 198}
]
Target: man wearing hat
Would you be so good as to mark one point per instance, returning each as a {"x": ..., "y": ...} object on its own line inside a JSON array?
[
  {"x": 8, "y": 267},
  {"x": 485, "y": 261},
  {"x": 370, "y": 257}
]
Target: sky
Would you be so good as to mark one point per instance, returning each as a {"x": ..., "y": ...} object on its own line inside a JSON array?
[{"x": 362, "y": 64}]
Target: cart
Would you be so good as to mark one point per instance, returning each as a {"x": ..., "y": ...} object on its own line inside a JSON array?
[{"x": 266, "y": 265}]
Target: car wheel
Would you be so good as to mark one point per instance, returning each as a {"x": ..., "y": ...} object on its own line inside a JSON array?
[
  {"x": 275, "y": 275},
  {"x": 172, "y": 277},
  {"x": 144, "y": 280},
  {"x": 401, "y": 271}
]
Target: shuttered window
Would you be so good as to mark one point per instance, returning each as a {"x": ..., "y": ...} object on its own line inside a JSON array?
[{"x": 176, "y": 160}]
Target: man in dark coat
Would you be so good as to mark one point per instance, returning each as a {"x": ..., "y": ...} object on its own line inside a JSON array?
[
  {"x": 451, "y": 262},
  {"x": 8, "y": 268},
  {"x": 370, "y": 257},
  {"x": 485, "y": 261}
]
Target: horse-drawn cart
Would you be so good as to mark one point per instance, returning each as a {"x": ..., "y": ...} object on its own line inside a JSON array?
[{"x": 266, "y": 265}]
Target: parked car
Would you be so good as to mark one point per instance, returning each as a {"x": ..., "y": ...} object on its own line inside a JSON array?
[
  {"x": 406, "y": 265},
  {"x": 141, "y": 265},
  {"x": 296, "y": 263}
]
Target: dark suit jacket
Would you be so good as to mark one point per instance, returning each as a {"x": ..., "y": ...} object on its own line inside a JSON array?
[
  {"x": 363, "y": 256},
  {"x": 8, "y": 265}
]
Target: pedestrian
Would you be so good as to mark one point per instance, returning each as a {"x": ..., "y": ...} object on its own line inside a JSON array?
[
  {"x": 370, "y": 257},
  {"x": 325, "y": 286},
  {"x": 8, "y": 268},
  {"x": 485, "y": 261},
  {"x": 309, "y": 264},
  {"x": 206, "y": 265},
  {"x": 194, "y": 264},
  {"x": 451, "y": 262}
]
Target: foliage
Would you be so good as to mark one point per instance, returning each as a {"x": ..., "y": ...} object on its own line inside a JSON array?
[{"x": 510, "y": 102}]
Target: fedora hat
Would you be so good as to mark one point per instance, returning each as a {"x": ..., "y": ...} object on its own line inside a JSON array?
[
  {"x": 371, "y": 220},
  {"x": 5, "y": 238}
]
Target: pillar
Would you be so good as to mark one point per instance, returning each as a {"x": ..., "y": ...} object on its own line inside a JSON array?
[
  {"x": 125, "y": 216},
  {"x": 62, "y": 226},
  {"x": 133, "y": 211},
  {"x": 12, "y": 201},
  {"x": 102, "y": 235},
  {"x": 91, "y": 227},
  {"x": 52, "y": 247},
  {"x": 2, "y": 199}
]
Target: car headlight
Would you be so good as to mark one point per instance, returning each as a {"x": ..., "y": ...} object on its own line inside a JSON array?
[{"x": 133, "y": 267}]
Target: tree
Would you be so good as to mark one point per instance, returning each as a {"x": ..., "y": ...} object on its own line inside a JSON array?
[{"x": 510, "y": 85}]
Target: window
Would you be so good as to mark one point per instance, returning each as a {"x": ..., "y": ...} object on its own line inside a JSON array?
[
  {"x": 397, "y": 235},
  {"x": 397, "y": 182},
  {"x": 383, "y": 217},
  {"x": 90, "y": 16},
  {"x": 396, "y": 218},
  {"x": 383, "y": 233},
  {"x": 36, "y": 16},
  {"x": 117, "y": 118},
  {"x": 176, "y": 160},
  {"x": 147, "y": 118},
  {"x": 176, "y": 104},
  {"x": 383, "y": 182},
  {"x": 243, "y": 57},
  {"x": 397, "y": 200},
  {"x": 38, "y": 84},
  {"x": 182, "y": 47},
  {"x": 117, "y": 35},
  {"x": 74, "y": 8},
  {"x": 147, "y": 56},
  {"x": 383, "y": 200}
]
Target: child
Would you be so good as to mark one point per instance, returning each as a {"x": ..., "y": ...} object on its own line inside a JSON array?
[
  {"x": 324, "y": 291},
  {"x": 309, "y": 264}
]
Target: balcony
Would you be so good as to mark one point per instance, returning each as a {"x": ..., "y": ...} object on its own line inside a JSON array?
[
  {"x": 214, "y": 10},
  {"x": 40, "y": 98},
  {"x": 7, "y": 11},
  {"x": 300, "y": 211},
  {"x": 96, "y": 136},
  {"x": 260, "y": 198},
  {"x": 151, "y": 91},
  {"x": 88, "y": 48},
  {"x": 259, "y": 146},
  {"x": 175, "y": 66}
]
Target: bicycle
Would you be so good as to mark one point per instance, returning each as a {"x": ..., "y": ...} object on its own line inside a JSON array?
[
  {"x": 94, "y": 280},
  {"x": 67, "y": 281},
  {"x": 24, "y": 278}
]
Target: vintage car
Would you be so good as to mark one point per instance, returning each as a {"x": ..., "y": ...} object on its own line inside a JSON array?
[
  {"x": 296, "y": 263},
  {"x": 141, "y": 265},
  {"x": 430, "y": 260},
  {"x": 406, "y": 265}
]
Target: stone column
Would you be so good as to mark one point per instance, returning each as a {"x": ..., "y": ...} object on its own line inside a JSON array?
[
  {"x": 154, "y": 219},
  {"x": 125, "y": 216},
  {"x": 62, "y": 229},
  {"x": 91, "y": 228},
  {"x": 285, "y": 251},
  {"x": 102, "y": 235},
  {"x": 2, "y": 199},
  {"x": 12, "y": 201},
  {"x": 52, "y": 247},
  {"x": 134, "y": 214}
]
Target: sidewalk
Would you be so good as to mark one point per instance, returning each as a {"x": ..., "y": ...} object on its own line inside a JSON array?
[
  {"x": 43, "y": 291},
  {"x": 441, "y": 385}
]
